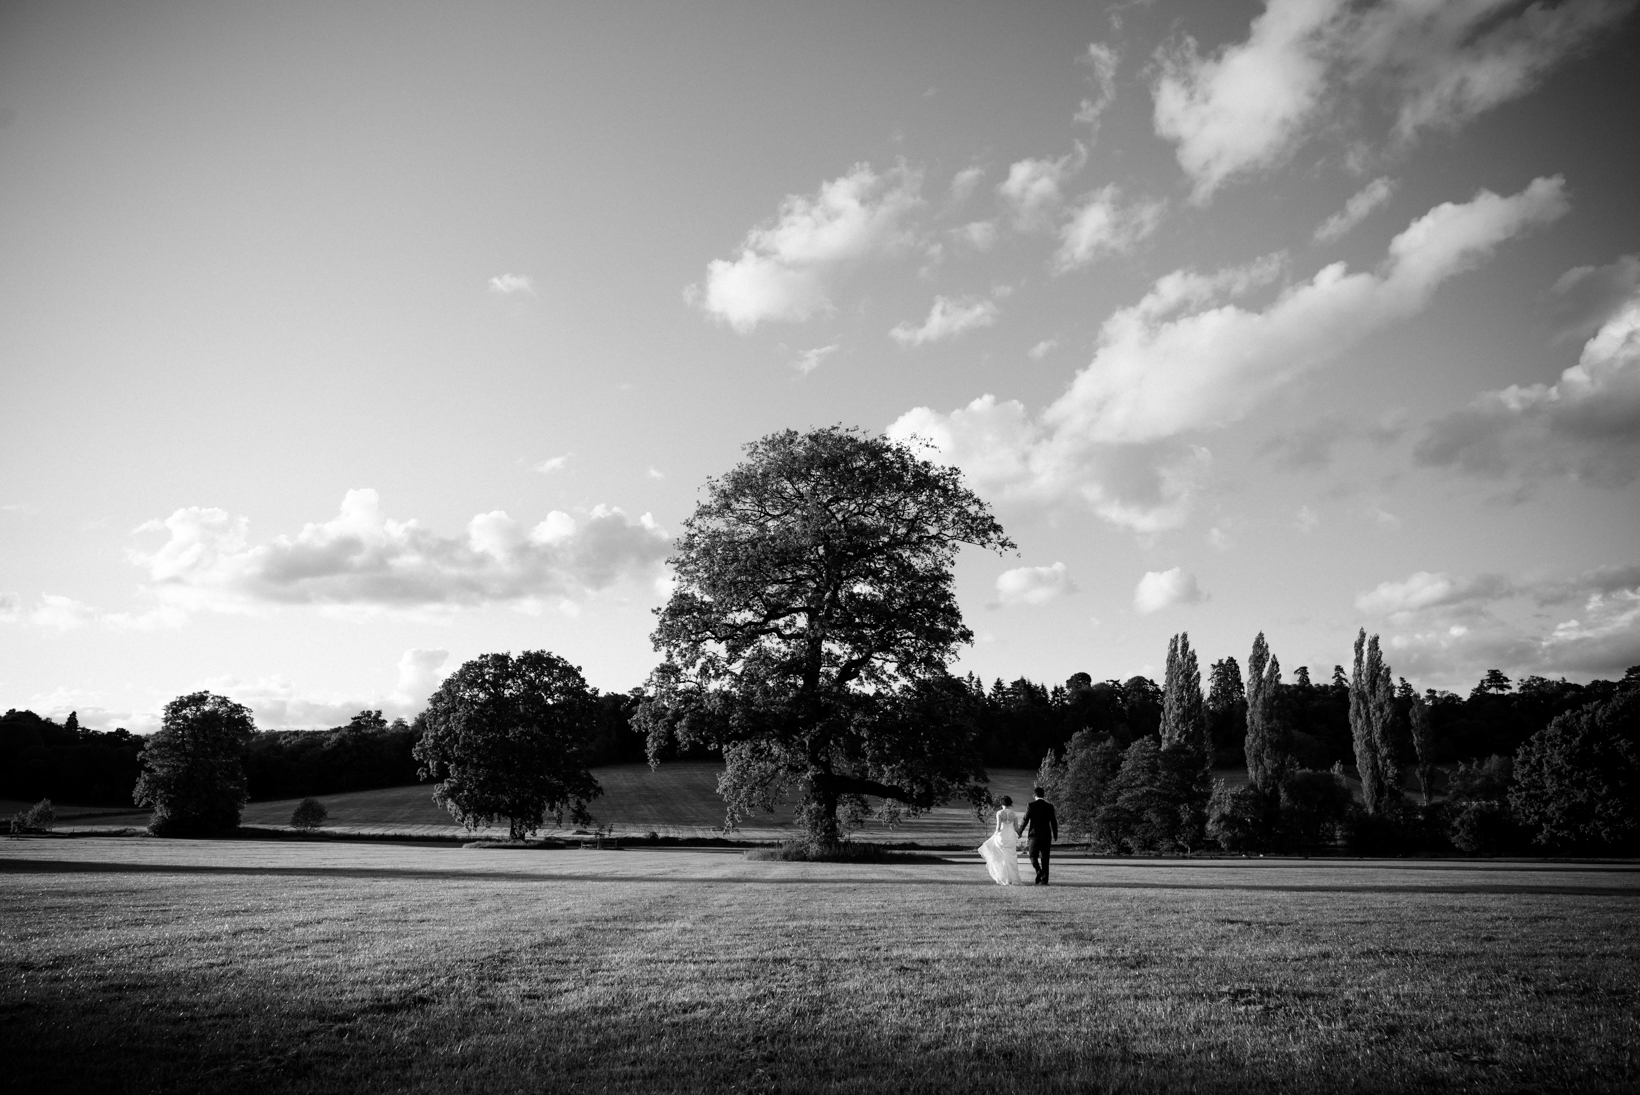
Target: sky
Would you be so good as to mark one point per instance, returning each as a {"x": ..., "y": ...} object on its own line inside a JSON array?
[{"x": 341, "y": 343}]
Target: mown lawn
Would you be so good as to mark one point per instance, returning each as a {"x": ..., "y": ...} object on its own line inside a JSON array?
[{"x": 143, "y": 965}]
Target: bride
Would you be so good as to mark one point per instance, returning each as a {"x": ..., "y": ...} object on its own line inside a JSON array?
[{"x": 999, "y": 853}]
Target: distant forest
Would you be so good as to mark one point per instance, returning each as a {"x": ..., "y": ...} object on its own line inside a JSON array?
[{"x": 1016, "y": 726}]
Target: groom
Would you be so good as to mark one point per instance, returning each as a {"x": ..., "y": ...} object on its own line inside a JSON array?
[{"x": 1044, "y": 827}]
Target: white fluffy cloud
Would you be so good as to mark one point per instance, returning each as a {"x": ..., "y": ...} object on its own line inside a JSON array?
[
  {"x": 363, "y": 558},
  {"x": 1033, "y": 585},
  {"x": 1243, "y": 109},
  {"x": 1160, "y": 589},
  {"x": 1307, "y": 62},
  {"x": 509, "y": 284},
  {"x": 948, "y": 318},
  {"x": 785, "y": 269},
  {"x": 1360, "y": 205},
  {"x": 1034, "y": 189},
  {"x": 1184, "y": 360},
  {"x": 1102, "y": 225},
  {"x": 1454, "y": 627},
  {"x": 1587, "y": 297},
  {"x": 1586, "y": 425},
  {"x": 419, "y": 675}
]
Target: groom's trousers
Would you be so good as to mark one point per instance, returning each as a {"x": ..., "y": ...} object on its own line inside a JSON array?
[{"x": 1041, "y": 849}]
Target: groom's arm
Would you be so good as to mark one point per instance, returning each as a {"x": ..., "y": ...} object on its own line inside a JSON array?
[{"x": 1053, "y": 822}]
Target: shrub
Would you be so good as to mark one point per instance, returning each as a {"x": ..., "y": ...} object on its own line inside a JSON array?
[
  {"x": 41, "y": 816},
  {"x": 310, "y": 813},
  {"x": 836, "y": 851},
  {"x": 1485, "y": 781},
  {"x": 1485, "y": 828},
  {"x": 1380, "y": 834},
  {"x": 1240, "y": 820},
  {"x": 1577, "y": 781},
  {"x": 1313, "y": 806}
]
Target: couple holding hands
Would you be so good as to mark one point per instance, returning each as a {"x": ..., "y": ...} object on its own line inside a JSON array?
[{"x": 999, "y": 852}]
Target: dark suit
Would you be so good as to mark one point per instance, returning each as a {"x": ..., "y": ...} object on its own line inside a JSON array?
[{"x": 1043, "y": 825}]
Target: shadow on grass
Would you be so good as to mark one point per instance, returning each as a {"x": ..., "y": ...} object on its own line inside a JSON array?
[{"x": 63, "y": 866}]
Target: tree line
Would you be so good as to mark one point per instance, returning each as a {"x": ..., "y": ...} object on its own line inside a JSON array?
[{"x": 807, "y": 643}]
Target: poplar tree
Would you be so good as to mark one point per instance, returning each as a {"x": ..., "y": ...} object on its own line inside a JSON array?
[
  {"x": 1372, "y": 709},
  {"x": 1184, "y": 719},
  {"x": 1268, "y": 746},
  {"x": 1187, "y": 752},
  {"x": 1423, "y": 740}
]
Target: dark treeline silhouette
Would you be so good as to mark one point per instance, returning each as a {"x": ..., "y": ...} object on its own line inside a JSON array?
[
  {"x": 65, "y": 762},
  {"x": 1020, "y": 722},
  {"x": 1360, "y": 760},
  {"x": 68, "y": 764}
]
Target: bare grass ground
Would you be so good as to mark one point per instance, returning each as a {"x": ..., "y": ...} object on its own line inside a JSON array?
[{"x": 143, "y": 965}]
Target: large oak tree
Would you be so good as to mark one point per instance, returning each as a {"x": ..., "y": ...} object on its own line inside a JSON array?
[{"x": 811, "y": 626}]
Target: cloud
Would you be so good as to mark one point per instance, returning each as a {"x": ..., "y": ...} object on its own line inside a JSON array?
[
  {"x": 1305, "y": 520},
  {"x": 61, "y": 613},
  {"x": 1101, "y": 225},
  {"x": 1033, "y": 190},
  {"x": 1310, "y": 64},
  {"x": 1041, "y": 349},
  {"x": 509, "y": 284},
  {"x": 1361, "y": 203},
  {"x": 1033, "y": 585},
  {"x": 1455, "y": 627},
  {"x": 1101, "y": 61},
  {"x": 1587, "y": 297},
  {"x": 552, "y": 464},
  {"x": 1447, "y": 63},
  {"x": 1585, "y": 426},
  {"x": 980, "y": 235},
  {"x": 1160, "y": 589},
  {"x": 965, "y": 182},
  {"x": 363, "y": 558},
  {"x": 1245, "y": 108},
  {"x": 786, "y": 268},
  {"x": 809, "y": 360},
  {"x": 1157, "y": 374},
  {"x": 419, "y": 675},
  {"x": 948, "y": 318},
  {"x": 1185, "y": 359},
  {"x": 655, "y": 473},
  {"x": 1424, "y": 590}
]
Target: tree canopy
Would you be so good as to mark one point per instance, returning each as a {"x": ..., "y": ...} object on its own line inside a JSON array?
[
  {"x": 508, "y": 738},
  {"x": 193, "y": 770},
  {"x": 812, "y": 623}
]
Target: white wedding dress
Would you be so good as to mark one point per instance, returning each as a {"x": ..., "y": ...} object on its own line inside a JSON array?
[{"x": 999, "y": 853}]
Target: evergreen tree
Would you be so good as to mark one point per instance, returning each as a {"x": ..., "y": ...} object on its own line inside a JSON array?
[
  {"x": 1269, "y": 747},
  {"x": 72, "y": 725},
  {"x": 1372, "y": 711},
  {"x": 1302, "y": 677}
]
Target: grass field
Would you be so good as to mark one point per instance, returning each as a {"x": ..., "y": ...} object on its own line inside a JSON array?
[
  {"x": 679, "y": 799},
  {"x": 141, "y": 965}
]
